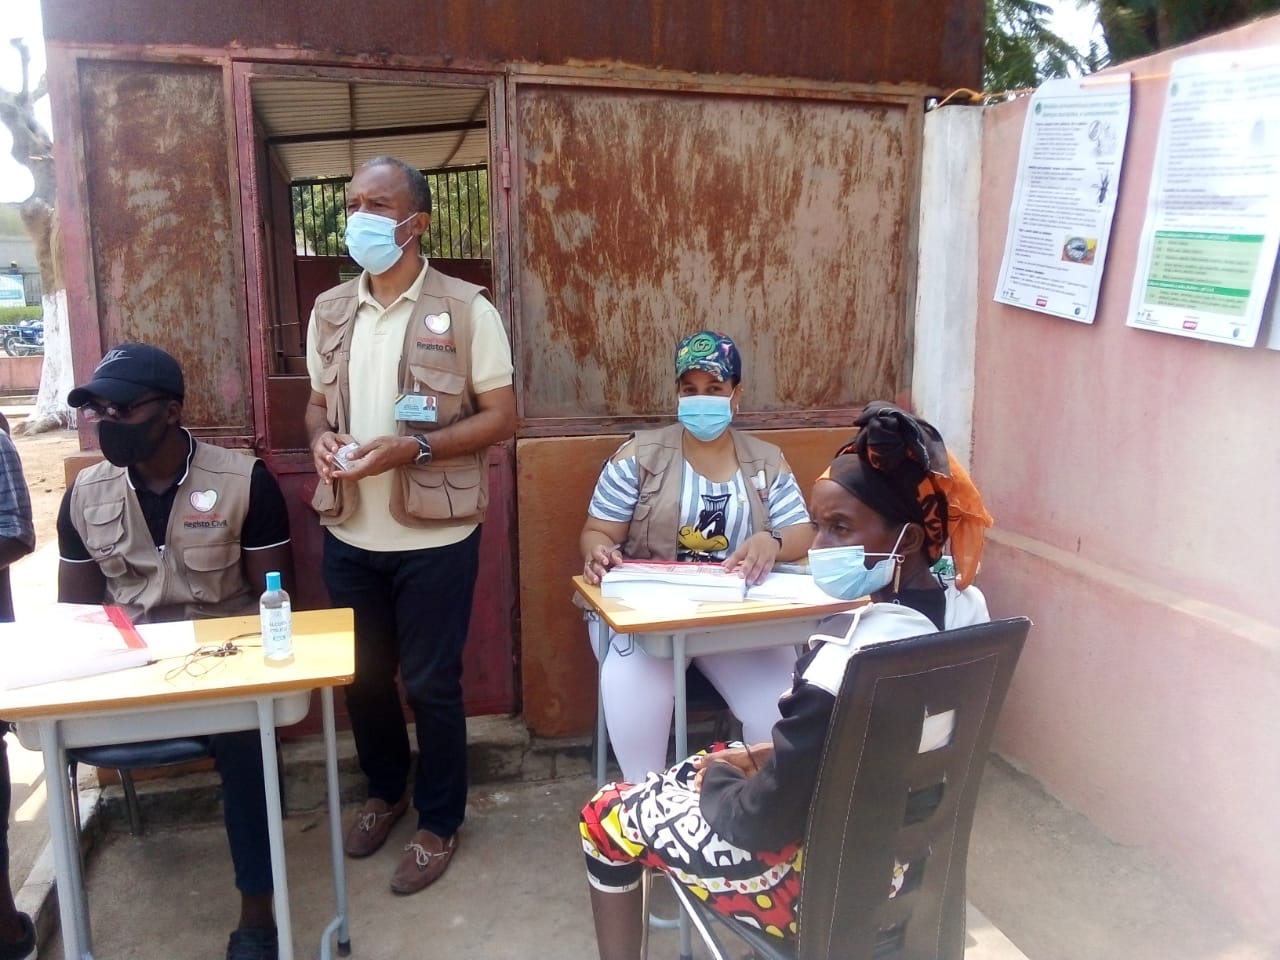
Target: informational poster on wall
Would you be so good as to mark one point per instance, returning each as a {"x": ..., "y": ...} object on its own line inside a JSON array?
[
  {"x": 1208, "y": 246},
  {"x": 1065, "y": 196}
]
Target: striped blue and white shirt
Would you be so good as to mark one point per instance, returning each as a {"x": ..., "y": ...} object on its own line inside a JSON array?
[{"x": 714, "y": 518}]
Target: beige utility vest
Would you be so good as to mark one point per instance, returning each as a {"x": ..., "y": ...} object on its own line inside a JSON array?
[
  {"x": 455, "y": 490},
  {"x": 198, "y": 573},
  {"x": 659, "y": 466}
]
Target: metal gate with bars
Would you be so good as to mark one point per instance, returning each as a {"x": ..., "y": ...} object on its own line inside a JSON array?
[{"x": 459, "y": 219}]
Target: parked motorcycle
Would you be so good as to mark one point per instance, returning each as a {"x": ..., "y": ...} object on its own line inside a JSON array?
[{"x": 25, "y": 340}]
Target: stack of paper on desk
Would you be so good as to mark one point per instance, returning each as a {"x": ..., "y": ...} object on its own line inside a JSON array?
[
  {"x": 69, "y": 640},
  {"x": 790, "y": 588},
  {"x": 685, "y": 581}
]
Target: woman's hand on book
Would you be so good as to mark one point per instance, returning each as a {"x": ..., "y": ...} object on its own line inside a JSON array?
[
  {"x": 599, "y": 560},
  {"x": 755, "y": 557}
]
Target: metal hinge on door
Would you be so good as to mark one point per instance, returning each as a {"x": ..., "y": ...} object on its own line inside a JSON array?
[{"x": 506, "y": 168}]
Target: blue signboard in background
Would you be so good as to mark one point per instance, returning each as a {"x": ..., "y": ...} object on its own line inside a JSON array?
[{"x": 12, "y": 293}]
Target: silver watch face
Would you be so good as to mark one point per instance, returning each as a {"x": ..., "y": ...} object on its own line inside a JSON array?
[{"x": 424, "y": 450}]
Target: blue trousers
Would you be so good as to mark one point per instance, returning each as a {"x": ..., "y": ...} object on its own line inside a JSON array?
[
  {"x": 238, "y": 757},
  {"x": 412, "y": 611}
]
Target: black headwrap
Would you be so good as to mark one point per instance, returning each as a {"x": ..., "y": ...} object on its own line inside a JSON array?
[{"x": 898, "y": 466}]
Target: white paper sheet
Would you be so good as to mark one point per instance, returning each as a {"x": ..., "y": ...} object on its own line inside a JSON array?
[
  {"x": 789, "y": 588},
  {"x": 64, "y": 641}
]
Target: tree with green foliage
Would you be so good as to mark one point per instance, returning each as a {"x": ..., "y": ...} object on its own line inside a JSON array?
[
  {"x": 1135, "y": 28},
  {"x": 1022, "y": 51}
]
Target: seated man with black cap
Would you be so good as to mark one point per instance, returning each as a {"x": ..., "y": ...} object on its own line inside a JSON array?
[{"x": 170, "y": 528}]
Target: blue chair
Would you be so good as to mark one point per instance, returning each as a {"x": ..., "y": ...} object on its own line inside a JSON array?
[
  {"x": 124, "y": 758},
  {"x": 884, "y": 797}
]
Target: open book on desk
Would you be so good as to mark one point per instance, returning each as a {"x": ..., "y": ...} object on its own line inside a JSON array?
[{"x": 68, "y": 640}]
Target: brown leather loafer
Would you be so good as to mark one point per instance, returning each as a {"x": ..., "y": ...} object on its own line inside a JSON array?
[
  {"x": 373, "y": 824},
  {"x": 424, "y": 861}
]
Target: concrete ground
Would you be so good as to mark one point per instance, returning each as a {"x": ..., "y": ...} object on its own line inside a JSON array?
[
  {"x": 515, "y": 891},
  {"x": 1052, "y": 886}
]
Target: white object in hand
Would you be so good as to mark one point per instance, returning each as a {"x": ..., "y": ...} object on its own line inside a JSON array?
[{"x": 342, "y": 456}]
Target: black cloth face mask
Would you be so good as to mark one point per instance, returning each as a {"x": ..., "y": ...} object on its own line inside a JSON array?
[{"x": 128, "y": 444}]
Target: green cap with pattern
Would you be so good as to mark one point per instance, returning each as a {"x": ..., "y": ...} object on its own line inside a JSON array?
[{"x": 709, "y": 351}]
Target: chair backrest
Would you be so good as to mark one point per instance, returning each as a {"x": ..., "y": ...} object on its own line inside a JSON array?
[{"x": 880, "y": 801}]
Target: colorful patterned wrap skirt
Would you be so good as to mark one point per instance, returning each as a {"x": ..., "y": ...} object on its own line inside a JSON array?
[{"x": 626, "y": 827}]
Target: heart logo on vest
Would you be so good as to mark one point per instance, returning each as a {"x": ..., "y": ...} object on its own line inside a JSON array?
[
  {"x": 437, "y": 323},
  {"x": 203, "y": 500}
]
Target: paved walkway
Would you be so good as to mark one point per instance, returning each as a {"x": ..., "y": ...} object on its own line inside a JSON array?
[{"x": 516, "y": 891}]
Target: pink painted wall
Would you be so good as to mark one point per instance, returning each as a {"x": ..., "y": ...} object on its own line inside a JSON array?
[
  {"x": 20, "y": 373},
  {"x": 1132, "y": 476}
]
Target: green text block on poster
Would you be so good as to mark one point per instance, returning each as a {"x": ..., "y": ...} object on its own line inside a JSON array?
[{"x": 1210, "y": 272}]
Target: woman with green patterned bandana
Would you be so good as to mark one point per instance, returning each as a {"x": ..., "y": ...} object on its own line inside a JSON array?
[{"x": 696, "y": 491}]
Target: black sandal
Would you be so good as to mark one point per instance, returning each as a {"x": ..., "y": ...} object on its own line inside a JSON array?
[{"x": 25, "y": 948}]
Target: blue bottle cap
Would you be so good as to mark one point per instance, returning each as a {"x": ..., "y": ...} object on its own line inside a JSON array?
[{"x": 273, "y": 580}]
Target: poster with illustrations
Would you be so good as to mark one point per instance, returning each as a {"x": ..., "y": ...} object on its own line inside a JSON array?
[
  {"x": 1208, "y": 246},
  {"x": 1065, "y": 196}
]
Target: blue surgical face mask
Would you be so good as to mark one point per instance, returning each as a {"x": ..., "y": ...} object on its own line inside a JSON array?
[
  {"x": 706, "y": 417},
  {"x": 842, "y": 572},
  {"x": 371, "y": 240}
]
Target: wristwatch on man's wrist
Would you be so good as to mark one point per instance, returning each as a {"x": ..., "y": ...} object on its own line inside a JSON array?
[
  {"x": 424, "y": 450},
  {"x": 777, "y": 537}
]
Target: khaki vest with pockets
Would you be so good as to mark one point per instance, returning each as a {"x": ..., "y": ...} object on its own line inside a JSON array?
[
  {"x": 450, "y": 491},
  {"x": 659, "y": 465},
  {"x": 198, "y": 574}
]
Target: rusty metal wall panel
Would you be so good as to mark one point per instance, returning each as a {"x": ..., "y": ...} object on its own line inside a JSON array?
[
  {"x": 937, "y": 43},
  {"x": 643, "y": 217},
  {"x": 163, "y": 232}
]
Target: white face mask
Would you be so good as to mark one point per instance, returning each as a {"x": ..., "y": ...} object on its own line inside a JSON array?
[
  {"x": 705, "y": 416},
  {"x": 842, "y": 572},
  {"x": 371, "y": 240}
]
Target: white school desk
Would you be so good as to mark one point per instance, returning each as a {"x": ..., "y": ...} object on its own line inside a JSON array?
[
  {"x": 708, "y": 628},
  {"x": 240, "y": 692}
]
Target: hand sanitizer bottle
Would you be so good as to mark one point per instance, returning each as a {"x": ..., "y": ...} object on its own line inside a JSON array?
[{"x": 277, "y": 623}]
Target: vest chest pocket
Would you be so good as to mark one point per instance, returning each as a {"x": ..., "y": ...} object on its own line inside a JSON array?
[
  {"x": 213, "y": 571},
  {"x": 443, "y": 492},
  {"x": 448, "y": 388},
  {"x": 329, "y": 386},
  {"x": 104, "y": 539}
]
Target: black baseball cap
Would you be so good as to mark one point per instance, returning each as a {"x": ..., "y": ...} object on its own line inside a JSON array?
[{"x": 129, "y": 372}]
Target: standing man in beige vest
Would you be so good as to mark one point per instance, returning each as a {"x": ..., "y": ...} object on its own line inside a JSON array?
[
  {"x": 174, "y": 529},
  {"x": 411, "y": 384}
]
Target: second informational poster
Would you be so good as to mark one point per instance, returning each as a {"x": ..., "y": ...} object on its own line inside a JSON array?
[
  {"x": 1208, "y": 246},
  {"x": 1065, "y": 196}
]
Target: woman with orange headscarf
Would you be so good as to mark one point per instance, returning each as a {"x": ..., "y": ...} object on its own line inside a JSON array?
[{"x": 730, "y": 821}]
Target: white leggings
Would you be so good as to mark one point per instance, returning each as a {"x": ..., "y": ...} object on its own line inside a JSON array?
[{"x": 639, "y": 696}]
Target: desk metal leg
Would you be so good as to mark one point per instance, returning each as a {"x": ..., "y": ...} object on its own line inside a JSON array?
[
  {"x": 72, "y": 905},
  {"x": 275, "y": 826},
  {"x": 603, "y": 646},
  {"x": 679, "y": 664},
  {"x": 339, "y": 923}
]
